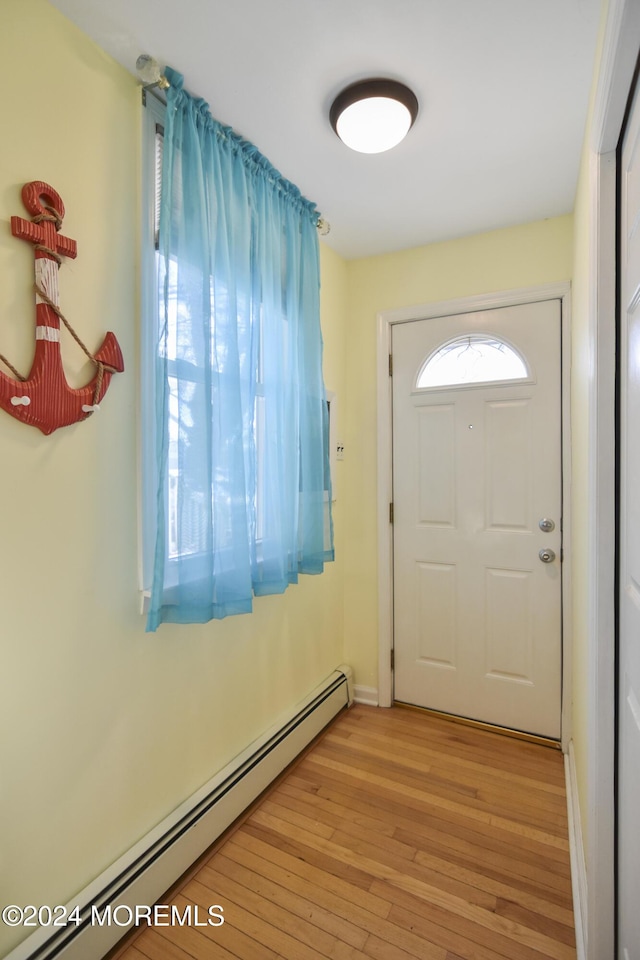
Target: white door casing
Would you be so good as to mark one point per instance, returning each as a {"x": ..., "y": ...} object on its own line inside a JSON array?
[
  {"x": 477, "y": 613},
  {"x": 629, "y": 636},
  {"x": 386, "y": 322}
]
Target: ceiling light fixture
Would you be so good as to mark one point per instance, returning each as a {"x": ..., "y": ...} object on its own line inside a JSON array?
[{"x": 372, "y": 116}]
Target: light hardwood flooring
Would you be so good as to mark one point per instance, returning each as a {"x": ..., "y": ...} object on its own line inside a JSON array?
[{"x": 398, "y": 836}]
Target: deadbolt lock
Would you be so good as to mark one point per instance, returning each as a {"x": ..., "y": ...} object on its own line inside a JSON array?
[
  {"x": 546, "y": 525},
  {"x": 547, "y": 556}
]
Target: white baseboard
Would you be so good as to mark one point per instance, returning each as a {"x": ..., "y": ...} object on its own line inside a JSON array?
[
  {"x": 576, "y": 853},
  {"x": 158, "y": 860},
  {"x": 366, "y": 695}
]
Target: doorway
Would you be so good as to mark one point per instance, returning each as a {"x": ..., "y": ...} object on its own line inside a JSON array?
[
  {"x": 477, "y": 525},
  {"x": 387, "y": 321}
]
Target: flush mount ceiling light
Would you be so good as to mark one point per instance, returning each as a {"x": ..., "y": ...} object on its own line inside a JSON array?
[{"x": 372, "y": 116}]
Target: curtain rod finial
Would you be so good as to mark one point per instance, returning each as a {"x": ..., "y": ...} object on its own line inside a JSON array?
[{"x": 150, "y": 73}]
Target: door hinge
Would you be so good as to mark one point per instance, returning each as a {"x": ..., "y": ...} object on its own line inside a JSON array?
[
  {"x": 390, "y": 513},
  {"x": 393, "y": 659},
  {"x": 390, "y": 365}
]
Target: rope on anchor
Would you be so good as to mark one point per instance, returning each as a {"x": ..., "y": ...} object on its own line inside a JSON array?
[
  {"x": 102, "y": 367},
  {"x": 16, "y": 374},
  {"x": 53, "y": 216}
]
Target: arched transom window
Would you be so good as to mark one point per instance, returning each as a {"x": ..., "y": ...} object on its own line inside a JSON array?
[{"x": 473, "y": 358}]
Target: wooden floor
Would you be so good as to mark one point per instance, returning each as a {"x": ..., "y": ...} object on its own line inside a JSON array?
[{"x": 398, "y": 836}]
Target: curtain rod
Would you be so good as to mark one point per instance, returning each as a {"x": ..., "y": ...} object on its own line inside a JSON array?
[{"x": 155, "y": 82}]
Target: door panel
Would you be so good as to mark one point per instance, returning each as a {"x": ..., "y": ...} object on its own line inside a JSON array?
[
  {"x": 477, "y": 615},
  {"x": 508, "y": 627},
  {"x": 436, "y": 596},
  {"x": 508, "y": 463},
  {"x": 436, "y": 466}
]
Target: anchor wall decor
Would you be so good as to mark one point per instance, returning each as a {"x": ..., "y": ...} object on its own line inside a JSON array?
[{"x": 44, "y": 399}]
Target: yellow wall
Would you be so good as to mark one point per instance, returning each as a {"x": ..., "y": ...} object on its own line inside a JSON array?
[
  {"x": 523, "y": 256},
  {"x": 106, "y": 729}
]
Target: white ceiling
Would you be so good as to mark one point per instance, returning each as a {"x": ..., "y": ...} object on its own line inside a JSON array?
[{"x": 503, "y": 87}]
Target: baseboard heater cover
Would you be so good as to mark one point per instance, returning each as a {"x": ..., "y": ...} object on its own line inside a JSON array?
[{"x": 153, "y": 865}]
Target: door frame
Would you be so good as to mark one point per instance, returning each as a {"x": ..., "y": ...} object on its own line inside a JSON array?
[
  {"x": 595, "y": 910},
  {"x": 386, "y": 320}
]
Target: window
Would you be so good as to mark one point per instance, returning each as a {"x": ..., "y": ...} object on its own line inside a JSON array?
[
  {"x": 236, "y": 484},
  {"x": 472, "y": 359}
]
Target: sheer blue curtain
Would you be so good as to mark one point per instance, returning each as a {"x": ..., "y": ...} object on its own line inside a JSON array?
[{"x": 243, "y": 490}]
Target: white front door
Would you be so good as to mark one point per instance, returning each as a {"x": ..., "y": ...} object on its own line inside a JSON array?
[
  {"x": 629, "y": 637},
  {"x": 477, "y": 515}
]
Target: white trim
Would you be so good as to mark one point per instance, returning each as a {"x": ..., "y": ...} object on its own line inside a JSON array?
[
  {"x": 385, "y": 529},
  {"x": 567, "y": 534},
  {"x": 599, "y": 820},
  {"x": 386, "y": 320},
  {"x": 615, "y": 76},
  {"x": 152, "y": 113},
  {"x": 576, "y": 854},
  {"x": 366, "y": 695}
]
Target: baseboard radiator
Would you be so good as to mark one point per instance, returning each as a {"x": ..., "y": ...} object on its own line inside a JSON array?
[{"x": 152, "y": 866}]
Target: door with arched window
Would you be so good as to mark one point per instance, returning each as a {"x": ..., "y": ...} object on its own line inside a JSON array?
[{"x": 477, "y": 515}]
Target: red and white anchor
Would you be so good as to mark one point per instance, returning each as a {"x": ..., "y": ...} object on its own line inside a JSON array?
[{"x": 44, "y": 399}]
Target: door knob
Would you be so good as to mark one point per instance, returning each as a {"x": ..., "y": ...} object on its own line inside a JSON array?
[
  {"x": 547, "y": 556},
  {"x": 546, "y": 525}
]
